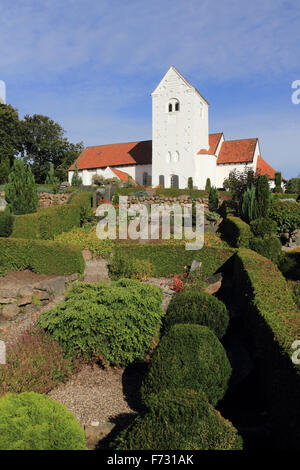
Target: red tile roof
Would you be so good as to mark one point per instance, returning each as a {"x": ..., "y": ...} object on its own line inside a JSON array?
[
  {"x": 101, "y": 156},
  {"x": 237, "y": 151},
  {"x": 213, "y": 140},
  {"x": 263, "y": 168},
  {"x": 120, "y": 174}
]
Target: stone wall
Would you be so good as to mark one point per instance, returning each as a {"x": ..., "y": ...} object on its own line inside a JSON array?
[
  {"x": 48, "y": 199},
  {"x": 166, "y": 200}
]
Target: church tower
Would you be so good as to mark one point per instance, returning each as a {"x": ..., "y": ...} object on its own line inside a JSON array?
[
  {"x": 179, "y": 131},
  {"x": 2, "y": 92}
]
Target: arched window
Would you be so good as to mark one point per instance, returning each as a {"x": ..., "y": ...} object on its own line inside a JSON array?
[
  {"x": 168, "y": 157},
  {"x": 162, "y": 181},
  {"x": 173, "y": 105},
  {"x": 176, "y": 157},
  {"x": 147, "y": 179},
  {"x": 174, "y": 181}
]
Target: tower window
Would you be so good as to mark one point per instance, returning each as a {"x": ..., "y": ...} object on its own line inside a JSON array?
[
  {"x": 173, "y": 105},
  {"x": 174, "y": 181}
]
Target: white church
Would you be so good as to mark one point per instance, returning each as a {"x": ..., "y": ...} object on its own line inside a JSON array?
[{"x": 181, "y": 146}]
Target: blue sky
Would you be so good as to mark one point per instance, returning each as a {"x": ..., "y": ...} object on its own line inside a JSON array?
[{"x": 91, "y": 65}]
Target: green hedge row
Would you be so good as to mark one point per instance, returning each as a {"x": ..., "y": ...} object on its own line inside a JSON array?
[
  {"x": 46, "y": 223},
  {"x": 236, "y": 232},
  {"x": 271, "y": 324},
  {"x": 41, "y": 256},
  {"x": 6, "y": 224},
  {"x": 170, "y": 259}
]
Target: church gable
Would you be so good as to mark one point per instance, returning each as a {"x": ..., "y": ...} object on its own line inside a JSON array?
[{"x": 172, "y": 82}]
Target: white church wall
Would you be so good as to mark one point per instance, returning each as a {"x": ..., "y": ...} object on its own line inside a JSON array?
[
  {"x": 177, "y": 135},
  {"x": 205, "y": 168}
]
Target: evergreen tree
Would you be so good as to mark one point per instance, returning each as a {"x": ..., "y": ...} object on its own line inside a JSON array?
[
  {"x": 208, "y": 185},
  {"x": 4, "y": 169},
  {"x": 213, "y": 199},
  {"x": 249, "y": 205},
  {"x": 51, "y": 178},
  {"x": 21, "y": 191},
  {"x": 263, "y": 196},
  {"x": 76, "y": 180},
  {"x": 278, "y": 180},
  {"x": 190, "y": 183}
]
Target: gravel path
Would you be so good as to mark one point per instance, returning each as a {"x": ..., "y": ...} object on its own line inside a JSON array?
[{"x": 96, "y": 394}]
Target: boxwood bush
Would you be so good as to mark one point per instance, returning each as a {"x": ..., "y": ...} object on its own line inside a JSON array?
[
  {"x": 263, "y": 227},
  {"x": 41, "y": 256},
  {"x": 116, "y": 322},
  {"x": 179, "y": 419},
  {"x": 189, "y": 356},
  {"x": 236, "y": 232},
  {"x": 270, "y": 247},
  {"x": 29, "y": 421},
  {"x": 192, "y": 306}
]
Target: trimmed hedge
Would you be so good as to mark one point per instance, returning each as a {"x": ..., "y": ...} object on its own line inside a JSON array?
[
  {"x": 46, "y": 223},
  {"x": 30, "y": 421},
  {"x": 269, "y": 247},
  {"x": 236, "y": 232},
  {"x": 271, "y": 325},
  {"x": 116, "y": 322},
  {"x": 192, "y": 306},
  {"x": 6, "y": 224},
  {"x": 179, "y": 419},
  {"x": 123, "y": 265},
  {"x": 41, "y": 256},
  {"x": 189, "y": 356},
  {"x": 170, "y": 259}
]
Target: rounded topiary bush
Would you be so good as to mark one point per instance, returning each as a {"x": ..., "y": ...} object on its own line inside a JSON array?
[
  {"x": 189, "y": 356},
  {"x": 179, "y": 419},
  {"x": 269, "y": 247},
  {"x": 30, "y": 421},
  {"x": 191, "y": 306},
  {"x": 115, "y": 322}
]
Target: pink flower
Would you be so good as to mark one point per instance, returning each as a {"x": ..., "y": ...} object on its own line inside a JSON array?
[{"x": 162, "y": 283}]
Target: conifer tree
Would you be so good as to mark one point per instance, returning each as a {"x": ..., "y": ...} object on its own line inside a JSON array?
[
  {"x": 208, "y": 185},
  {"x": 76, "y": 180},
  {"x": 51, "y": 178},
  {"x": 263, "y": 196},
  {"x": 4, "y": 169},
  {"x": 278, "y": 180},
  {"x": 21, "y": 191},
  {"x": 213, "y": 199},
  {"x": 190, "y": 183},
  {"x": 249, "y": 205}
]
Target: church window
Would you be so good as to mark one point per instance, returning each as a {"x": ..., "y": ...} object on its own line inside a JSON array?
[
  {"x": 168, "y": 157},
  {"x": 173, "y": 105},
  {"x": 174, "y": 181},
  {"x": 147, "y": 180},
  {"x": 177, "y": 106},
  {"x": 162, "y": 181},
  {"x": 176, "y": 157},
  {"x": 170, "y": 107}
]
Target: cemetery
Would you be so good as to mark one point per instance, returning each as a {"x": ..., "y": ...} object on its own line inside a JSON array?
[{"x": 142, "y": 344}]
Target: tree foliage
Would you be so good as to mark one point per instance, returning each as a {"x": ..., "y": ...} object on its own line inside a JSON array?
[
  {"x": 21, "y": 191},
  {"x": 263, "y": 196}
]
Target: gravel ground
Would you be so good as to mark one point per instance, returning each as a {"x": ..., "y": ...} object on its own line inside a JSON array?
[{"x": 97, "y": 394}]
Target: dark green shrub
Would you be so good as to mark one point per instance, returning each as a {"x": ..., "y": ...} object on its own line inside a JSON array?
[
  {"x": 34, "y": 363},
  {"x": 76, "y": 179},
  {"x": 46, "y": 223},
  {"x": 6, "y": 224},
  {"x": 278, "y": 181},
  {"x": 21, "y": 190},
  {"x": 286, "y": 214},
  {"x": 236, "y": 232},
  {"x": 179, "y": 419},
  {"x": 269, "y": 247},
  {"x": 30, "y": 421},
  {"x": 192, "y": 306},
  {"x": 124, "y": 265},
  {"x": 41, "y": 256},
  {"x": 213, "y": 200},
  {"x": 189, "y": 356},
  {"x": 190, "y": 183},
  {"x": 290, "y": 265},
  {"x": 249, "y": 205},
  {"x": 296, "y": 293},
  {"x": 207, "y": 185},
  {"x": 116, "y": 322},
  {"x": 263, "y": 227},
  {"x": 263, "y": 196}
]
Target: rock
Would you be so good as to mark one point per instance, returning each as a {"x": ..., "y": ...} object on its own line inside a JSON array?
[
  {"x": 24, "y": 301},
  {"x": 214, "y": 283},
  {"x": 7, "y": 300},
  {"x": 87, "y": 255},
  {"x": 41, "y": 294},
  {"x": 94, "y": 434},
  {"x": 55, "y": 286},
  {"x": 96, "y": 271},
  {"x": 72, "y": 277},
  {"x": 31, "y": 308},
  {"x": 8, "y": 293},
  {"x": 25, "y": 291},
  {"x": 196, "y": 265},
  {"x": 10, "y": 311}
]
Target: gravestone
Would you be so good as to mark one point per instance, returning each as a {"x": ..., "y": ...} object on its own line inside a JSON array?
[
  {"x": 196, "y": 265},
  {"x": 3, "y": 204}
]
